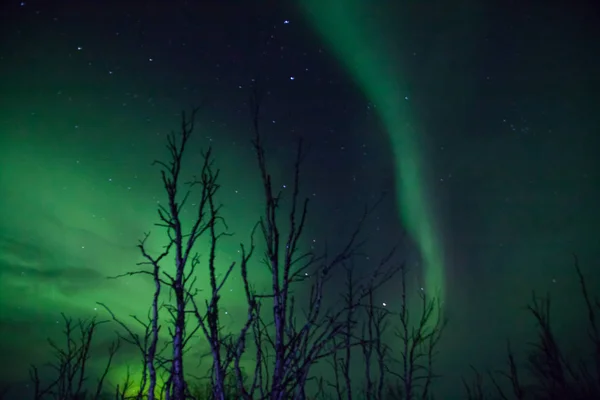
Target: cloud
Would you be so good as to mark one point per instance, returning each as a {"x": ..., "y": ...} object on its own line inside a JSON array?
[{"x": 23, "y": 262}]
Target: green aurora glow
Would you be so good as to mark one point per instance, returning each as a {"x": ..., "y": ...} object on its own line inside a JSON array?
[
  {"x": 361, "y": 47},
  {"x": 505, "y": 104},
  {"x": 72, "y": 217}
]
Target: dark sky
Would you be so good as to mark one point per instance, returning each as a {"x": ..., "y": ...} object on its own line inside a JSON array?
[{"x": 480, "y": 121}]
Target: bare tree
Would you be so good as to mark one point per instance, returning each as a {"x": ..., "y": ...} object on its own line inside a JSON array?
[
  {"x": 147, "y": 346},
  {"x": 475, "y": 389},
  {"x": 71, "y": 363},
  {"x": 512, "y": 375},
  {"x": 419, "y": 340},
  {"x": 181, "y": 283},
  {"x": 122, "y": 389},
  {"x": 555, "y": 376},
  {"x": 225, "y": 348},
  {"x": 592, "y": 308},
  {"x": 359, "y": 295},
  {"x": 341, "y": 363},
  {"x": 289, "y": 339},
  {"x": 552, "y": 375},
  {"x": 297, "y": 346},
  {"x": 375, "y": 351}
]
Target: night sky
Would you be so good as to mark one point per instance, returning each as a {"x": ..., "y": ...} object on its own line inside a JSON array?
[{"x": 480, "y": 122}]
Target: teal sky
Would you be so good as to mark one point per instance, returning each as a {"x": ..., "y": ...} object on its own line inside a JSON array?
[{"x": 503, "y": 141}]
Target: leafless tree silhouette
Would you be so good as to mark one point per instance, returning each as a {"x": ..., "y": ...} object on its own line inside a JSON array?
[
  {"x": 551, "y": 376},
  {"x": 71, "y": 364}
]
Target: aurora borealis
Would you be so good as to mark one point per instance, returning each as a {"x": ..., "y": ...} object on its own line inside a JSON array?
[
  {"x": 479, "y": 121},
  {"x": 365, "y": 53}
]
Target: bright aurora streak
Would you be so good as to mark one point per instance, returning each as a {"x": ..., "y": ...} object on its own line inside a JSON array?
[{"x": 361, "y": 48}]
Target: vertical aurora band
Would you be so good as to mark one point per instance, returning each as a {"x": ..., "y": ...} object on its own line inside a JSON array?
[{"x": 347, "y": 29}]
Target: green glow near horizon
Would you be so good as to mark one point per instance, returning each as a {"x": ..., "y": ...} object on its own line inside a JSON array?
[
  {"x": 74, "y": 210},
  {"x": 361, "y": 48}
]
